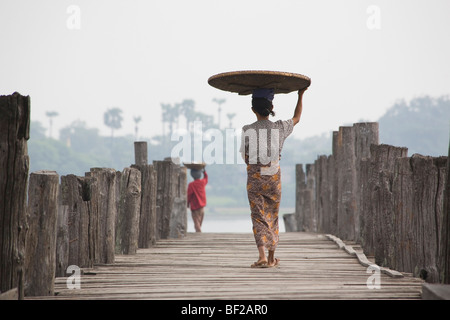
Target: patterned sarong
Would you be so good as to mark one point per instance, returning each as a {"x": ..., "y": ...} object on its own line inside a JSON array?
[{"x": 264, "y": 195}]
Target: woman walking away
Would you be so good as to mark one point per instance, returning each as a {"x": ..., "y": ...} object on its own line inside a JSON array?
[
  {"x": 261, "y": 145},
  {"x": 196, "y": 197}
]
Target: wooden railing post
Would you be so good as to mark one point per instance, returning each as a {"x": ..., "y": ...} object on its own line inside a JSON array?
[
  {"x": 322, "y": 194},
  {"x": 333, "y": 178},
  {"x": 346, "y": 177},
  {"x": 309, "y": 199},
  {"x": 366, "y": 134},
  {"x": 140, "y": 153},
  {"x": 178, "y": 219},
  {"x": 445, "y": 231},
  {"x": 171, "y": 210},
  {"x": 14, "y": 166},
  {"x": 300, "y": 187},
  {"x": 378, "y": 210},
  {"x": 164, "y": 197},
  {"x": 76, "y": 196},
  {"x": 418, "y": 201},
  {"x": 127, "y": 223},
  {"x": 40, "y": 253},
  {"x": 104, "y": 190},
  {"x": 147, "y": 215},
  {"x": 62, "y": 236}
]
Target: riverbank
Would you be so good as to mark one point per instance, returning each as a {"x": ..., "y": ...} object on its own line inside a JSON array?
[{"x": 230, "y": 220}]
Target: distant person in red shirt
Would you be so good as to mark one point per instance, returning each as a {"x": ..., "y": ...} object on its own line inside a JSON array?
[{"x": 196, "y": 197}]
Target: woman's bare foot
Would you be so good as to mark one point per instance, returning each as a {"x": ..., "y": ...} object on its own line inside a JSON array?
[
  {"x": 261, "y": 263},
  {"x": 272, "y": 261}
]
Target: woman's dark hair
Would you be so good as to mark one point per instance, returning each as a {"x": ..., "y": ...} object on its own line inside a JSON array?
[
  {"x": 196, "y": 174},
  {"x": 262, "y": 106}
]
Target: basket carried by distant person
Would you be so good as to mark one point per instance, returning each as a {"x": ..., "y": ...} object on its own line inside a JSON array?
[{"x": 195, "y": 166}]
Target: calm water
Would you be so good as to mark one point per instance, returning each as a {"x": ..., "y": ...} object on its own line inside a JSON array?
[{"x": 227, "y": 223}]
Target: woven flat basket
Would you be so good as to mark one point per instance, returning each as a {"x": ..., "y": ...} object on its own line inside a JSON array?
[
  {"x": 243, "y": 82},
  {"x": 195, "y": 166}
]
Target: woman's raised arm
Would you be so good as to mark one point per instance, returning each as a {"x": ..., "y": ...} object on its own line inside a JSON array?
[{"x": 299, "y": 107}]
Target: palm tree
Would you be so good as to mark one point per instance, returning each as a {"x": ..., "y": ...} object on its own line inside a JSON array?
[
  {"x": 187, "y": 108},
  {"x": 50, "y": 115},
  {"x": 206, "y": 119},
  {"x": 176, "y": 109},
  {"x": 230, "y": 117},
  {"x": 113, "y": 119},
  {"x": 219, "y": 102},
  {"x": 168, "y": 116},
  {"x": 136, "y": 129}
]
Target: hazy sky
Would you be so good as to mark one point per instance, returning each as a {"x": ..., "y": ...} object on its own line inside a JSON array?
[{"x": 80, "y": 58}]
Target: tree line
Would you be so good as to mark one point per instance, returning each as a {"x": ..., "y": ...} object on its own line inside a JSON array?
[{"x": 422, "y": 125}]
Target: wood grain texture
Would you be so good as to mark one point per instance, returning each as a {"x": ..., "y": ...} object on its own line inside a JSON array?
[
  {"x": 217, "y": 266},
  {"x": 147, "y": 215},
  {"x": 75, "y": 196},
  {"x": 14, "y": 167},
  {"x": 445, "y": 233},
  {"x": 346, "y": 183},
  {"x": 127, "y": 221},
  {"x": 104, "y": 197},
  {"x": 40, "y": 249},
  {"x": 171, "y": 208}
]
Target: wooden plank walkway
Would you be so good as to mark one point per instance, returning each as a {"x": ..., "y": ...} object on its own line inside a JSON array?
[{"x": 217, "y": 266}]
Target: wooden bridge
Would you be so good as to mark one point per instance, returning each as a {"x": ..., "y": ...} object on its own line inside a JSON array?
[
  {"x": 126, "y": 230},
  {"x": 217, "y": 266}
]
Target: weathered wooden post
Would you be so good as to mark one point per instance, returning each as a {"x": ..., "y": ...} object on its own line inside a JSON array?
[
  {"x": 366, "y": 134},
  {"x": 127, "y": 223},
  {"x": 104, "y": 187},
  {"x": 140, "y": 153},
  {"x": 322, "y": 194},
  {"x": 178, "y": 219},
  {"x": 378, "y": 216},
  {"x": 290, "y": 222},
  {"x": 147, "y": 215},
  {"x": 300, "y": 186},
  {"x": 62, "y": 237},
  {"x": 404, "y": 215},
  {"x": 330, "y": 222},
  {"x": 430, "y": 184},
  {"x": 346, "y": 177},
  {"x": 309, "y": 199},
  {"x": 14, "y": 166},
  {"x": 445, "y": 230},
  {"x": 418, "y": 200},
  {"x": 165, "y": 191},
  {"x": 305, "y": 196},
  {"x": 76, "y": 196},
  {"x": 293, "y": 221},
  {"x": 40, "y": 252},
  {"x": 333, "y": 178},
  {"x": 365, "y": 218},
  {"x": 171, "y": 210}
]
